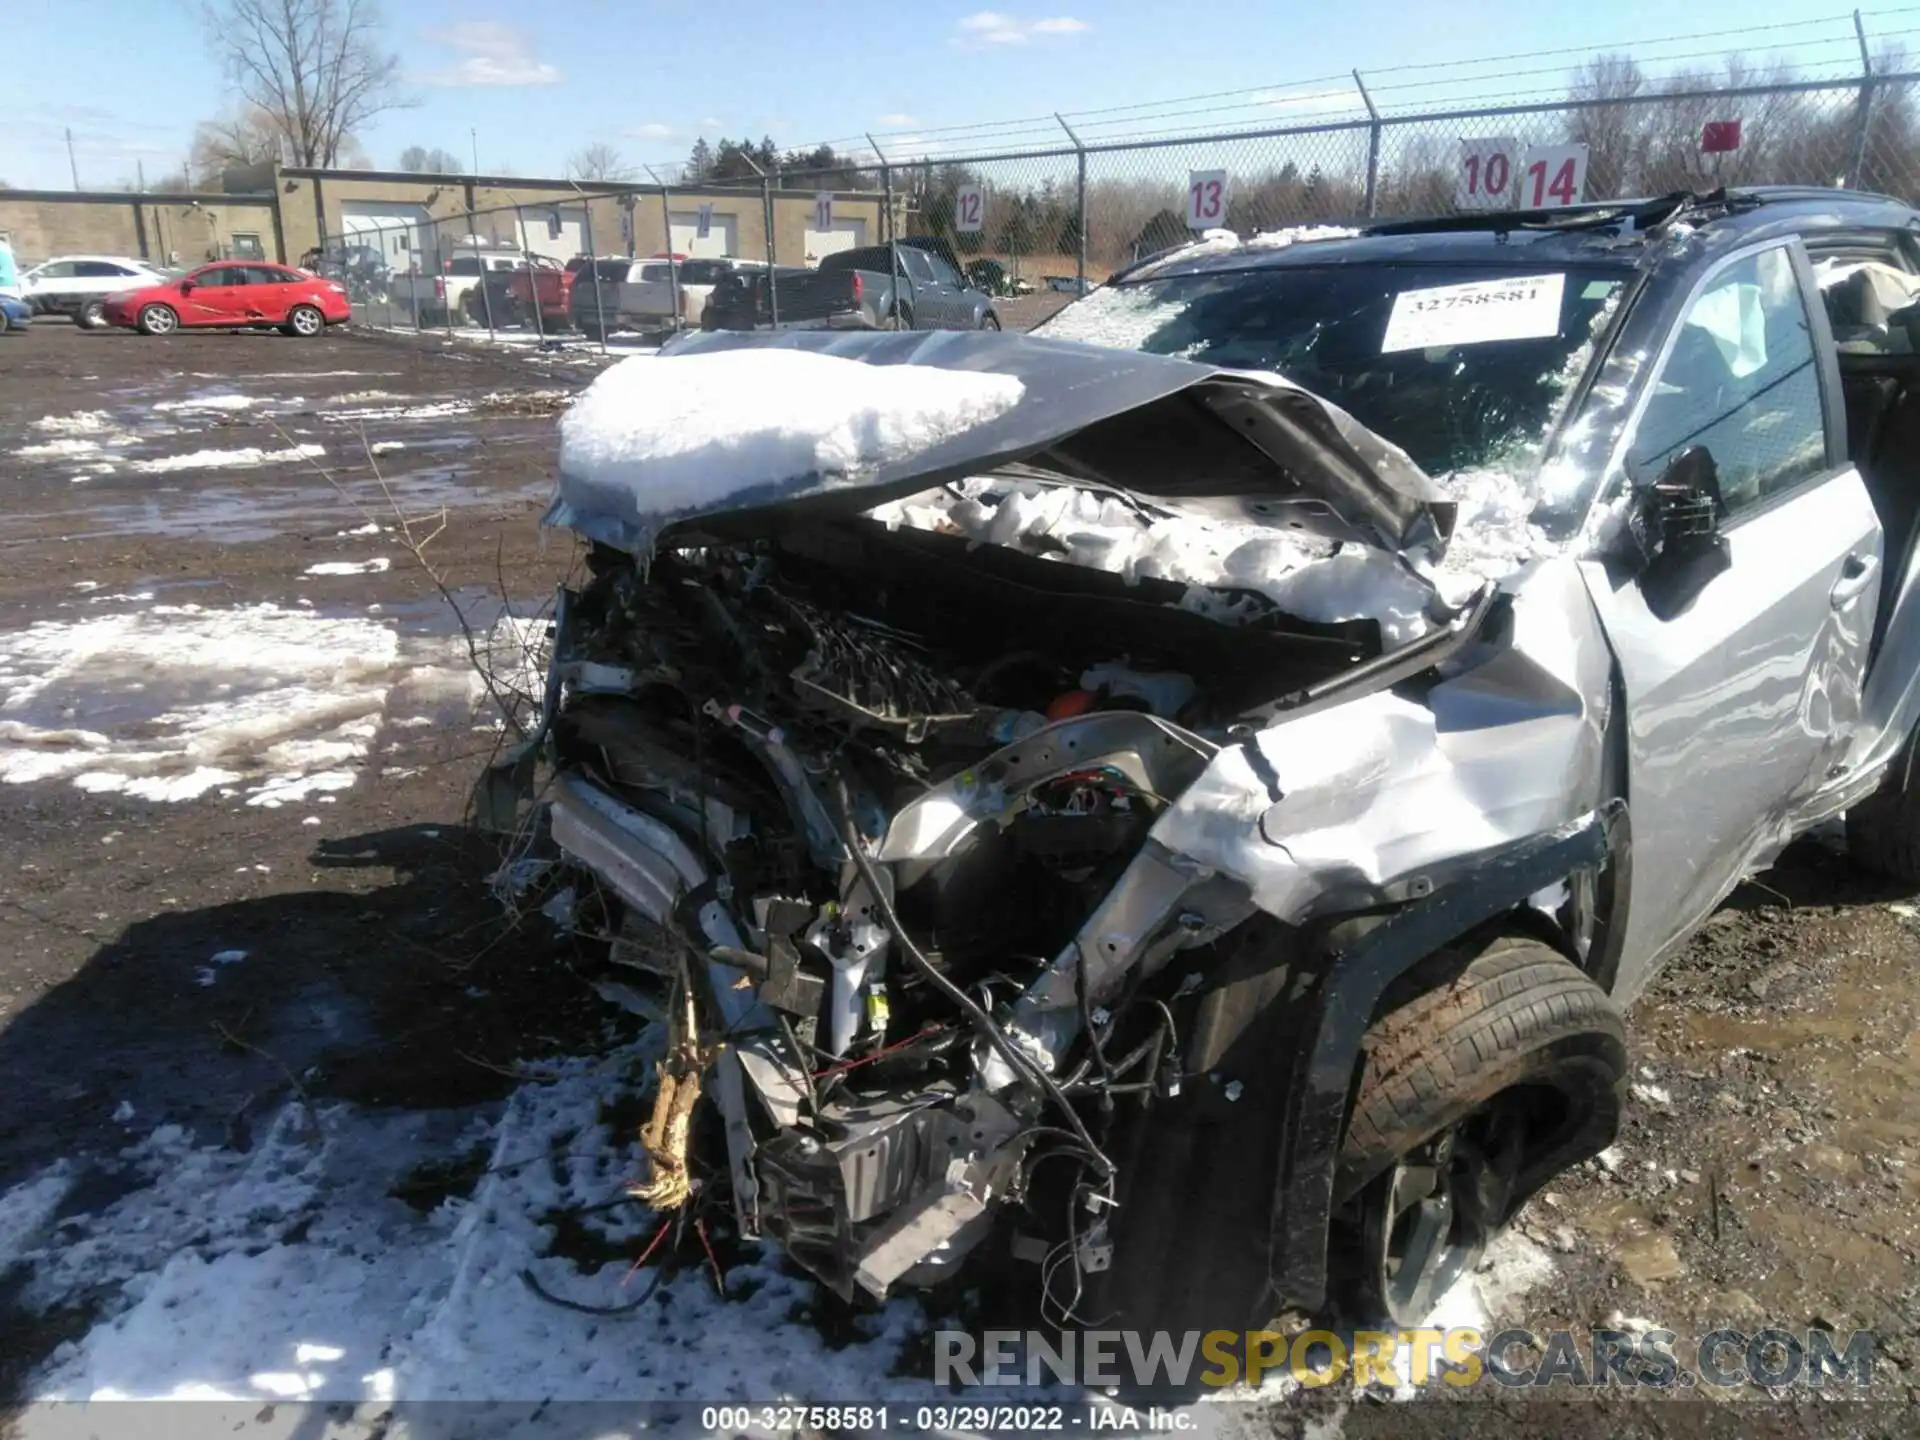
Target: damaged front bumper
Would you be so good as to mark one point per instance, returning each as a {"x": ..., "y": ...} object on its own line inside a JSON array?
[{"x": 878, "y": 1130}]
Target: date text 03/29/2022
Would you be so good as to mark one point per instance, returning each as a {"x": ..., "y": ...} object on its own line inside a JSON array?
[{"x": 1097, "y": 1415}]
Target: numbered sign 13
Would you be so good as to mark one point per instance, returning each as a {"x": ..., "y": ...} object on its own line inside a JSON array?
[
  {"x": 1552, "y": 176},
  {"x": 970, "y": 208},
  {"x": 1488, "y": 169},
  {"x": 1207, "y": 196},
  {"x": 823, "y": 211}
]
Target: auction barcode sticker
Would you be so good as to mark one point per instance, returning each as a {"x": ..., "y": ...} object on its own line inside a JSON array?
[{"x": 1521, "y": 307}]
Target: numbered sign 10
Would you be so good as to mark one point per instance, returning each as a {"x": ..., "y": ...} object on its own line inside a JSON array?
[
  {"x": 970, "y": 209},
  {"x": 823, "y": 211},
  {"x": 1207, "y": 196},
  {"x": 1487, "y": 173}
]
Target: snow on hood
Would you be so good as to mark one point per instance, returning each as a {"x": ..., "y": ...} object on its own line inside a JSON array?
[
  {"x": 731, "y": 424},
  {"x": 686, "y": 434}
]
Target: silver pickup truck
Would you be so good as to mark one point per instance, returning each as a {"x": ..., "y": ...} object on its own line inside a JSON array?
[{"x": 908, "y": 286}]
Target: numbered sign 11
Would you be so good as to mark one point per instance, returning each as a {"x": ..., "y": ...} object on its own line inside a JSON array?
[
  {"x": 970, "y": 209},
  {"x": 1207, "y": 195},
  {"x": 1488, "y": 170},
  {"x": 706, "y": 221},
  {"x": 1552, "y": 176},
  {"x": 823, "y": 211}
]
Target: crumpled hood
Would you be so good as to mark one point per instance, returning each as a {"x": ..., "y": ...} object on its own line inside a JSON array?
[{"x": 1179, "y": 436}]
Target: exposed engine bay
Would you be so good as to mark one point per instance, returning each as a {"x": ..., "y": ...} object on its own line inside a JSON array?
[{"x": 893, "y": 795}]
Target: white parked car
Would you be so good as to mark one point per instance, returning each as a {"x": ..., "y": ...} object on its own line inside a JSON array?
[{"x": 78, "y": 285}]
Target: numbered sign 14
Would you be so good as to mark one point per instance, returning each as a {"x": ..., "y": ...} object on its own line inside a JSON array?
[
  {"x": 1553, "y": 175},
  {"x": 1207, "y": 196},
  {"x": 823, "y": 211},
  {"x": 970, "y": 208},
  {"x": 1488, "y": 170}
]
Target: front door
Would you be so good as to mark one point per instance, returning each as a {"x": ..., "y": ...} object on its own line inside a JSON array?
[
  {"x": 1740, "y": 705},
  {"x": 211, "y": 300}
]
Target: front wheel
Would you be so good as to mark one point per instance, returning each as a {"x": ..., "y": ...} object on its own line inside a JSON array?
[
  {"x": 158, "y": 320},
  {"x": 305, "y": 321},
  {"x": 1488, "y": 1072}
]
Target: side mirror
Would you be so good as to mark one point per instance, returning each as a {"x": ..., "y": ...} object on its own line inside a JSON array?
[
  {"x": 1674, "y": 542},
  {"x": 186, "y": 287}
]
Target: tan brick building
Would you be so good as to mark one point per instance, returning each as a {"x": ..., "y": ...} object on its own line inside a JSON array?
[{"x": 284, "y": 213}]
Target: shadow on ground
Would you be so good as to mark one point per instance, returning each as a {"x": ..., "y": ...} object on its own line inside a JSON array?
[{"x": 415, "y": 994}]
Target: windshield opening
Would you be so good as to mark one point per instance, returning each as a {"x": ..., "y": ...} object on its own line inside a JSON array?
[{"x": 1465, "y": 367}]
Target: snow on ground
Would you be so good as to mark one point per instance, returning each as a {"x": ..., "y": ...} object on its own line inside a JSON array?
[
  {"x": 375, "y": 566},
  {"x": 246, "y": 458},
  {"x": 291, "y": 1272},
  {"x": 678, "y": 435},
  {"x": 84, "y": 422},
  {"x": 227, "y": 401},
  {"x": 256, "y": 703}
]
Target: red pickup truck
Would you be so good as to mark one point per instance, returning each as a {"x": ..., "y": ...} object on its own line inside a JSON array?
[{"x": 549, "y": 285}]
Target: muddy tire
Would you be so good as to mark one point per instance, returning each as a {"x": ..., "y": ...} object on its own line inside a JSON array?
[
  {"x": 91, "y": 315},
  {"x": 1883, "y": 830},
  {"x": 1488, "y": 1071},
  {"x": 1500, "y": 1032}
]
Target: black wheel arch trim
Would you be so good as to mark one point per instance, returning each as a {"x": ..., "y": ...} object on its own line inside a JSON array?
[{"x": 1355, "y": 962}]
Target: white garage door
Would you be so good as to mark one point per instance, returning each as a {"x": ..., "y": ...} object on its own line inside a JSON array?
[
  {"x": 845, "y": 235},
  {"x": 556, "y": 231},
  {"x": 723, "y": 235},
  {"x": 396, "y": 229}
]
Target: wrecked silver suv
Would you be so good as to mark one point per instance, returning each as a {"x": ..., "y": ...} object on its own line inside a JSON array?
[{"x": 1201, "y": 825}]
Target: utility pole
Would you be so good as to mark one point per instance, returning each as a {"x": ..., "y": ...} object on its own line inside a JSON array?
[
  {"x": 473, "y": 134},
  {"x": 140, "y": 170},
  {"x": 73, "y": 165}
]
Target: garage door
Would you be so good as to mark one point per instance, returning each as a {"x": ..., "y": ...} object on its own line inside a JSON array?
[
  {"x": 723, "y": 235},
  {"x": 845, "y": 235},
  {"x": 557, "y": 231},
  {"x": 397, "y": 230}
]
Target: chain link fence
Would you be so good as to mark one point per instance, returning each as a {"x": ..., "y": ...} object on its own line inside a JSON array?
[{"x": 629, "y": 265}]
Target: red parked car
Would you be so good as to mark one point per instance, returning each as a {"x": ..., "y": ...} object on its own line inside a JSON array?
[{"x": 234, "y": 294}]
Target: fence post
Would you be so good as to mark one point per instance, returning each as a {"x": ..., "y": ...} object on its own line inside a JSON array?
[
  {"x": 1857, "y": 161},
  {"x": 673, "y": 265},
  {"x": 533, "y": 280},
  {"x": 773, "y": 254},
  {"x": 593, "y": 269},
  {"x": 1080, "y": 189},
  {"x": 1373, "y": 147},
  {"x": 886, "y": 187}
]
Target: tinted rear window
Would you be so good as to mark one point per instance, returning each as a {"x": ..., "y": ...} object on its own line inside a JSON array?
[{"x": 463, "y": 265}]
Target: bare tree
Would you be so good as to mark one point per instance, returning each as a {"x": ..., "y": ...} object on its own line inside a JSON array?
[
  {"x": 598, "y": 161},
  {"x": 315, "y": 68},
  {"x": 430, "y": 160},
  {"x": 249, "y": 138}
]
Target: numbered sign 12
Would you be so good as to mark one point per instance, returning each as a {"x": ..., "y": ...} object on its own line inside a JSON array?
[
  {"x": 1488, "y": 170},
  {"x": 1552, "y": 176},
  {"x": 706, "y": 221},
  {"x": 970, "y": 209},
  {"x": 1207, "y": 196},
  {"x": 823, "y": 211}
]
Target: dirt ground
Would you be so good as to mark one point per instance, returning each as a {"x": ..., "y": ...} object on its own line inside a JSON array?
[{"x": 1769, "y": 1173}]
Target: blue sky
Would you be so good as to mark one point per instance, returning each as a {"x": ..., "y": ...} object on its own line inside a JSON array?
[{"x": 537, "y": 82}]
